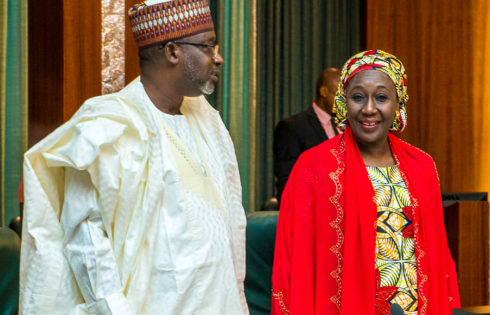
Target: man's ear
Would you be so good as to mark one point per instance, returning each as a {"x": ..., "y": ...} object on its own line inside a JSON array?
[
  {"x": 173, "y": 53},
  {"x": 324, "y": 91}
]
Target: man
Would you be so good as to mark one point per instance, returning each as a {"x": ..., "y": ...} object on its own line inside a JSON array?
[
  {"x": 305, "y": 130},
  {"x": 134, "y": 205}
]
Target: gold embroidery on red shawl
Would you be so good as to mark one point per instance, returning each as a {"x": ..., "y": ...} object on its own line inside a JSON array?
[
  {"x": 430, "y": 157},
  {"x": 280, "y": 300},
  {"x": 336, "y": 249}
]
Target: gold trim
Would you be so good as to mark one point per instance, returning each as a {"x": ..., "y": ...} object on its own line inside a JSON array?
[
  {"x": 336, "y": 249},
  {"x": 279, "y": 297}
]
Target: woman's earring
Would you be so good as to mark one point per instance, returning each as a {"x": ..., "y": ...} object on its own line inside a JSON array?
[{"x": 396, "y": 122}]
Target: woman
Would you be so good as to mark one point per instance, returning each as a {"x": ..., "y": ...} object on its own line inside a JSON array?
[{"x": 361, "y": 224}]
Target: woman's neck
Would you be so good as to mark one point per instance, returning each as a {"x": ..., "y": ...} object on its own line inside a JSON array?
[{"x": 377, "y": 155}]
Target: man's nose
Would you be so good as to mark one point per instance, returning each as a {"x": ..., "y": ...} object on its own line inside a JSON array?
[{"x": 219, "y": 59}]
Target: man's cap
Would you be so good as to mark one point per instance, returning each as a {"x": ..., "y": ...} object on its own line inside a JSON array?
[{"x": 160, "y": 21}]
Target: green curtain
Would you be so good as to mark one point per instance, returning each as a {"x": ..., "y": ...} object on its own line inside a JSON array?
[
  {"x": 13, "y": 102},
  {"x": 235, "y": 95},
  {"x": 297, "y": 41},
  {"x": 274, "y": 51}
]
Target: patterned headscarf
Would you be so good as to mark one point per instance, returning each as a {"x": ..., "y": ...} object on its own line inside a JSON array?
[{"x": 373, "y": 60}]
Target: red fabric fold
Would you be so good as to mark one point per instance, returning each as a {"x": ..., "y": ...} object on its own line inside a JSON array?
[{"x": 325, "y": 245}]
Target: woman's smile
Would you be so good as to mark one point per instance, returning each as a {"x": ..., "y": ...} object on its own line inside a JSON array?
[{"x": 371, "y": 107}]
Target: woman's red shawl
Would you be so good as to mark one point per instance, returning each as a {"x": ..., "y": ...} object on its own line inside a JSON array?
[{"x": 326, "y": 236}]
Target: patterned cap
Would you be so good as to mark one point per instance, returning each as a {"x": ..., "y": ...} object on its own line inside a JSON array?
[
  {"x": 373, "y": 60},
  {"x": 157, "y": 21}
]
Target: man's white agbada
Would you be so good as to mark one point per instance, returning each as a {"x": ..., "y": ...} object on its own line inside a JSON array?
[{"x": 167, "y": 232}]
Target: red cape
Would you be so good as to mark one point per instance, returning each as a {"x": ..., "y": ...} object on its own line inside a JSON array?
[{"x": 324, "y": 259}]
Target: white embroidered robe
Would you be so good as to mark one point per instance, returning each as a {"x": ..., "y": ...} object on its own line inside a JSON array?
[{"x": 114, "y": 197}]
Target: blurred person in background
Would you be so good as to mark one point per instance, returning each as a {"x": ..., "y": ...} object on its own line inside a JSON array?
[{"x": 305, "y": 130}]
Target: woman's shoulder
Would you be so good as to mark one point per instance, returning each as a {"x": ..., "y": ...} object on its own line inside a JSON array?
[
  {"x": 418, "y": 155},
  {"x": 322, "y": 155}
]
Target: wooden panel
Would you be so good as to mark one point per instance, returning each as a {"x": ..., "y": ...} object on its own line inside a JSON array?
[
  {"x": 467, "y": 230},
  {"x": 64, "y": 61},
  {"x": 45, "y": 68},
  {"x": 132, "y": 67},
  {"x": 443, "y": 44},
  {"x": 480, "y": 91},
  {"x": 82, "y": 45}
]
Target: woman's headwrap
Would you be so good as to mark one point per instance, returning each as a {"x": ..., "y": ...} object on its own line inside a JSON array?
[{"x": 373, "y": 60}]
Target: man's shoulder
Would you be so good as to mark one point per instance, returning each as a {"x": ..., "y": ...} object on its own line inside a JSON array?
[
  {"x": 103, "y": 104},
  {"x": 98, "y": 120},
  {"x": 123, "y": 106},
  {"x": 299, "y": 118},
  {"x": 294, "y": 123}
]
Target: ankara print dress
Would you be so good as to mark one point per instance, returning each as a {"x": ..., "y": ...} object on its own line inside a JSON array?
[{"x": 396, "y": 269}]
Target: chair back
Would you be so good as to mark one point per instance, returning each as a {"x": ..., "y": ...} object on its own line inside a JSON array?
[
  {"x": 261, "y": 238},
  {"x": 9, "y": 271}
]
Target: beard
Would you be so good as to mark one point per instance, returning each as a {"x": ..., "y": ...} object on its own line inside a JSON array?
[
  {"x": 191, "y": 72},
  {"x": 207, "y": 88}
]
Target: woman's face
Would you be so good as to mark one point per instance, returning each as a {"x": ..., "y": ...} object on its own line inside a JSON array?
[{"x": 371, "y": 106}]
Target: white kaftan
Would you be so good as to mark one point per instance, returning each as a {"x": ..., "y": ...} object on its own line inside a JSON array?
[{"x": 127, "y": 213}]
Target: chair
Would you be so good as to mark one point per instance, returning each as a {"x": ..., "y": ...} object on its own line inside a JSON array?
[
  {"x": 270, "y": 204},
  {"x": 16, "y": 225},
  {"x": 261, "y": 237},
  {"x": 9, "y": 269}
]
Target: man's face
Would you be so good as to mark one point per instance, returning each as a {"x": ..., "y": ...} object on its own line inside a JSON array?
[
  {"x": 201, "y": 64},
  {"x": 331, "y": 87}
]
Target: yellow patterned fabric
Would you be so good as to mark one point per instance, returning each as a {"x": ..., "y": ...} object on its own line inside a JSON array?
[
  {"x": 373, "y": 60},
  {"x": 396, "y": 267}
]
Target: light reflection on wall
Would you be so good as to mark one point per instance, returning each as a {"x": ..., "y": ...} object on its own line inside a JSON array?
[
  {"x": 481, "y": 93},
  {"x": 481, "y": 89}
]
